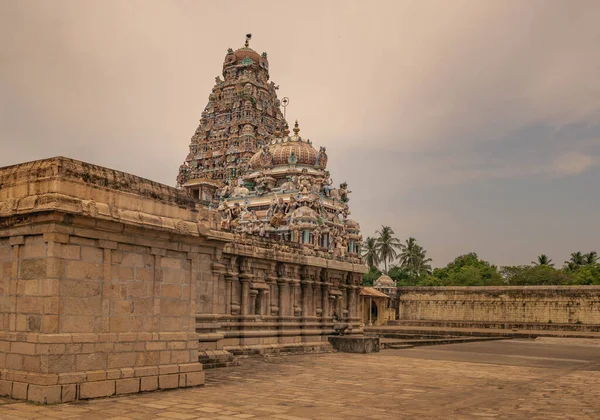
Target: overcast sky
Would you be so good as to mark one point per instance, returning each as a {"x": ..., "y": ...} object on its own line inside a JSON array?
[{"x": 470, "y": 125}]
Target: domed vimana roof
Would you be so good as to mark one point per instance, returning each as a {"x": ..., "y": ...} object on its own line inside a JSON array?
[
  {"x": 245, "y": 56},
  {"x": 287, "y": 150},
  {"x": 385, "y": 280},
  {"x": 305, "y": 213}
]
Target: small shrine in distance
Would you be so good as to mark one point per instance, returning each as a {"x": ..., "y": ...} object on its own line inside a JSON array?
[{"x": 262, "y": 180}]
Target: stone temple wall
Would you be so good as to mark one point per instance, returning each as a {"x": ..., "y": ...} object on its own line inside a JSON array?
[
  {"x": 113, "y": 284},
  {"x": 527, "y": 304}
]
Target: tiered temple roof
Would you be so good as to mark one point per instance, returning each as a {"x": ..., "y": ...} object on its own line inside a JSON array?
[
  {"x": 263, "y": 180},
  {"x": 241, "y": 116}
]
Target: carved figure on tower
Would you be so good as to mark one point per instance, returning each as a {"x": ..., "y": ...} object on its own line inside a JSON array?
[
  {"x": 321, "y": 161},
  {"x": 343, "y": 191}
]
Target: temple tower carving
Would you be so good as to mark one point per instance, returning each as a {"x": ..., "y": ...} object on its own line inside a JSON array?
[{"x": 241, "y": 116}]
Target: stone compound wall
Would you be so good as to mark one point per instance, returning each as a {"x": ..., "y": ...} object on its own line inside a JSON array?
[
  {"x": 113, "y": 284},
  {"x": 528, "y": 304}
]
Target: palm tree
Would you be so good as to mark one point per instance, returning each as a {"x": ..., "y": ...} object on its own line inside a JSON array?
[
  {"x": 370, "y": 252},
  {"x": 577, "y": 260},
  {"x": 543, "y": 260},
  {"x": 387, "y": 245},
  {"x": 413, "y": 258},
  {"x": 591, "y": 258},
  {"x": 571, "y": 266}
]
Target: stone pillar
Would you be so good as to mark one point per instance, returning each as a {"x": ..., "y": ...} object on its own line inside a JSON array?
[
  {"x": 313, "y": 301},
  {"x": 267, "y": 310},
  {"x": 271, "y": 281},
  {"x": 342, "y": 303},
  {"x": 229, "y": 277},
  {"x": 295, "y": 295},
  {"x": 283, "y": 292},
  {"x": 325, "y": 300},
  {"x": 244, "y": 301},
  {"x": 351, "y": 301},
  {"x": 261, "y": 301},
  {"x": 252, "y": 305},
  {"x": 305, "y": 297}
]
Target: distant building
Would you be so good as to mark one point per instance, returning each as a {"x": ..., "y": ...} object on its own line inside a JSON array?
[
  {"x": 375, "y": 307},
  {"x": 385, "y": 284}
]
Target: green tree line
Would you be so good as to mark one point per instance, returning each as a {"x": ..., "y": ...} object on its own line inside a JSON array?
[{"x": 408, "y": 265}]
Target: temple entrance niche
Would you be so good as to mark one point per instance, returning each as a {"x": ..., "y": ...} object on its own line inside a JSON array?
[{"x": 374, "y": 311}]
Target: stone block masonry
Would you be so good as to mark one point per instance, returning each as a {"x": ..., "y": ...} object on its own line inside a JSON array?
[
  {"x": 112, "y": 284},
  {"x": 91, "y": 303},
  {"x": 520, "y": 304}
]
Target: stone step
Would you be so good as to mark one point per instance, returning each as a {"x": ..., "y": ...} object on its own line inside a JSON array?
[
  {"x": 211, "y": 359},
  {"x": 398, "y": 346},
  {"x": 541, "y": 326},
  {"x": 395, "y": 344},
  {"x": 408, "y": 336},
  {"x": 397, "y": 331}
]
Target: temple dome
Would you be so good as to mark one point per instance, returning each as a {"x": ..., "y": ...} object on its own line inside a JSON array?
[
  {"x": 287, "y": 150},
  {"x": 237, "y": 57},
  {"x": 384, "y": 280},
  {"x": 301, "y": 152},
  {"x": 244, "y": 52},
  {"x": 305, "y": 213},
  {"x": 352, "y": 224},
  {"x": 245, "y": 56}
]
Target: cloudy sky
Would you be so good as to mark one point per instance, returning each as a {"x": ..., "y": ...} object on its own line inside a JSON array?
[{"x": 471, "y": 125}]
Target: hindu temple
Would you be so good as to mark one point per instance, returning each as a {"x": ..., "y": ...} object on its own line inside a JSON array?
[
  {"x": 264, "y": 180},
  {"x": 111, "y": 283}
]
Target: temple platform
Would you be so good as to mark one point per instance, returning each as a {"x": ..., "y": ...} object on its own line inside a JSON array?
[{"x": 354, "y": 343}]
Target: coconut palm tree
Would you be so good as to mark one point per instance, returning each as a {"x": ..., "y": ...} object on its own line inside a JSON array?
[
  {"x": 543, "y": 260},
  {"x": 387, "y": 245},
  {"x": 424, "y": 266},
  {"x": 577, "y": 260},
  {"x": 570, "y": 266},
  {"x": 371, "y": 252},
  {"x": 413, "y": 258},
  {"x": 591, "y": 258}
]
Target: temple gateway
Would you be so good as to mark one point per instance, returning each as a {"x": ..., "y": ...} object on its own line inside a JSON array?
[{"x": 111, "y": 283}]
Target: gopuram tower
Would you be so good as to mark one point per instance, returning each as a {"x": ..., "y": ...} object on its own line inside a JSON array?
[
  {"x": 241, "y": 115},
  {"x": 263, "y": 179}
]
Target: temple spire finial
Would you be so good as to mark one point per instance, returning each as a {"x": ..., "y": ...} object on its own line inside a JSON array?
[
  {"x": 296, "y": 128},
  {"x": 248, "y": 37}
]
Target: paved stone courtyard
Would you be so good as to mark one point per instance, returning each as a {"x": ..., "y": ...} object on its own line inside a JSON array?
[{"x": 542, "y": 379}]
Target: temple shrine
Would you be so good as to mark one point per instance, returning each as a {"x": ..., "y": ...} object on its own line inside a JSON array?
[
  {"x": 113, "y": 284},
  {"x": 263, "y": 180}
]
